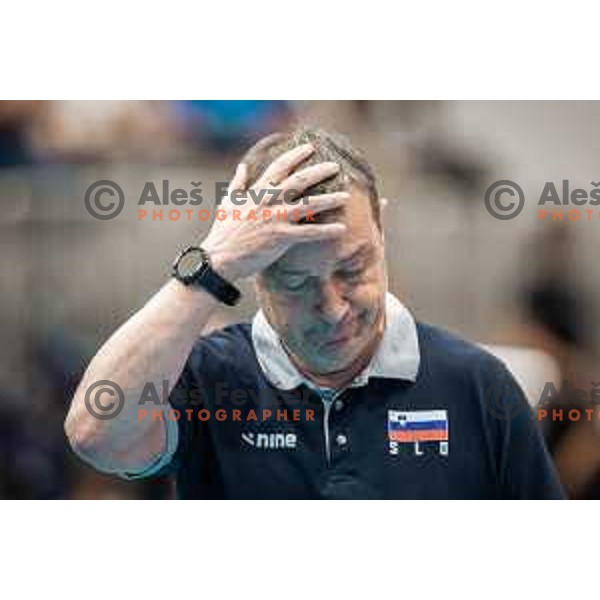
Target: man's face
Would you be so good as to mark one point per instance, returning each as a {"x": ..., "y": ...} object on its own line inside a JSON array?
[{"x": 326, "y": 300}]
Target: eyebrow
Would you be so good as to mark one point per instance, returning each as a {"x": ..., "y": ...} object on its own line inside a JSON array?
[{"x": 364, "y": 249}]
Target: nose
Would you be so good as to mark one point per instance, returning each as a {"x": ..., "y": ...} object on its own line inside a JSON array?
[{"x": 332, "y": 304}]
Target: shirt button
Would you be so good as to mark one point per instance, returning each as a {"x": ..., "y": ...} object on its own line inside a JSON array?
[
  {"x": 339, "y": 404},
  {"x": 341, "y": 439}
]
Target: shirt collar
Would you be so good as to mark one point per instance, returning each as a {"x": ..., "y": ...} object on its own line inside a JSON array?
[{"x": 397, "y": 356}]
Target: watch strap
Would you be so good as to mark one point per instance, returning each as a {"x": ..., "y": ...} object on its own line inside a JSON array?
[{"x": 218, "y": 286}]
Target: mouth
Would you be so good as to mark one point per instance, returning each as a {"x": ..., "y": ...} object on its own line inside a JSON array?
[
  {"x": 336, "y": 342},
  {"x": 341, "y": 338}
]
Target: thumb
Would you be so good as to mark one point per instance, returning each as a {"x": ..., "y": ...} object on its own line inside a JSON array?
[{"x": 240, "y": 178}]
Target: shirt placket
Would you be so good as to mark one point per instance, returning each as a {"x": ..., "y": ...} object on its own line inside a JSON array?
[{"x": 328, "y": 397}]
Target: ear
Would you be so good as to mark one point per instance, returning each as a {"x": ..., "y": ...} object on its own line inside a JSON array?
[
  {"x": 256, "y": 280},
  {"x": 383, "y": 202}
]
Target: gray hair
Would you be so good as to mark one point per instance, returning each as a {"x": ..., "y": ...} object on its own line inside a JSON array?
[{"x": 329, "y": 147}]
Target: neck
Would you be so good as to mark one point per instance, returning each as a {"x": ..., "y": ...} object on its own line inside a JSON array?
[{"x": 343, "y": 377}]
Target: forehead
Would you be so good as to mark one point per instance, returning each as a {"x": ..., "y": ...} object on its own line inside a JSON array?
[{"x": 361, "y": 232}]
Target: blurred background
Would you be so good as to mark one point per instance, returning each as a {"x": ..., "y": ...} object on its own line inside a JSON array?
[{"x": 527, "y": 289}]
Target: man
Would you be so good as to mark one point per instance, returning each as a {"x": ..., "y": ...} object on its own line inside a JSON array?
[{"x": 333, "y": 390}]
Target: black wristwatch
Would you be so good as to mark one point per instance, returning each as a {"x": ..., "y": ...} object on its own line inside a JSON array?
[{"x": 192, "y": 266}]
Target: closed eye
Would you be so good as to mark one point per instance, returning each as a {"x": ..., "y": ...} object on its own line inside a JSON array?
[
  {"x": 351, "y": 273},
  {"x": 295, "y": 282}
]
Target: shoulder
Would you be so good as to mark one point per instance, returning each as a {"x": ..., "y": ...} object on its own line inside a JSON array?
[
  {"x": 231, "y": 343},
  {"x": 441, "y": 349},
  {"x": 225, "y": 354}
]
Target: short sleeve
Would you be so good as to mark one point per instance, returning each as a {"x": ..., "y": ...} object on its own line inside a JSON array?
[
  {"x": 526, "y": 469},
  {"x": 178, "y": 429}
]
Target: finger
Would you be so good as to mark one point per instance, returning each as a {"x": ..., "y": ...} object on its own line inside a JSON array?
[
  {"x": 296, "y": 183},
  {"x": 320, "y": 203},
  {"x": 240, "y": 178},
  {"x": 283, "y": 165},
  {"x": 310, "y": 233},
  {"x": 383, "y": 202}
]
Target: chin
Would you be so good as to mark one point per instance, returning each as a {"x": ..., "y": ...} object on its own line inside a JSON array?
[{"x": 335, "y": 363}]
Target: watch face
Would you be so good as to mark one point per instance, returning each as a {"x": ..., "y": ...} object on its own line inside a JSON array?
[{"x": 189, "y": 263}]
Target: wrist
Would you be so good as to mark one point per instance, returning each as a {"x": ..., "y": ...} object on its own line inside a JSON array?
[
  {"x": 222, "y": 262},
  {"x": 194, "y": 267}
]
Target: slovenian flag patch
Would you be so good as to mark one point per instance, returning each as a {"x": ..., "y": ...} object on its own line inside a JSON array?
[{"x": 417, "y": 426}]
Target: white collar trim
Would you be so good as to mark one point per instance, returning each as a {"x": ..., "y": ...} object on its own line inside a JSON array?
[{"x": 397, "y": 357}]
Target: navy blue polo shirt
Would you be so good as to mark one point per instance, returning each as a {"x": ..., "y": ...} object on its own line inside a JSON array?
[{"x": 434, "y": 436}]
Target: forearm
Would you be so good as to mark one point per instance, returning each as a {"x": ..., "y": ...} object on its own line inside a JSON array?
[{"x": 150, "y": 348}]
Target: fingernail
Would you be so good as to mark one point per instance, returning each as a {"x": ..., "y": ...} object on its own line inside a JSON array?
[{"x": 333, "y": 165}]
